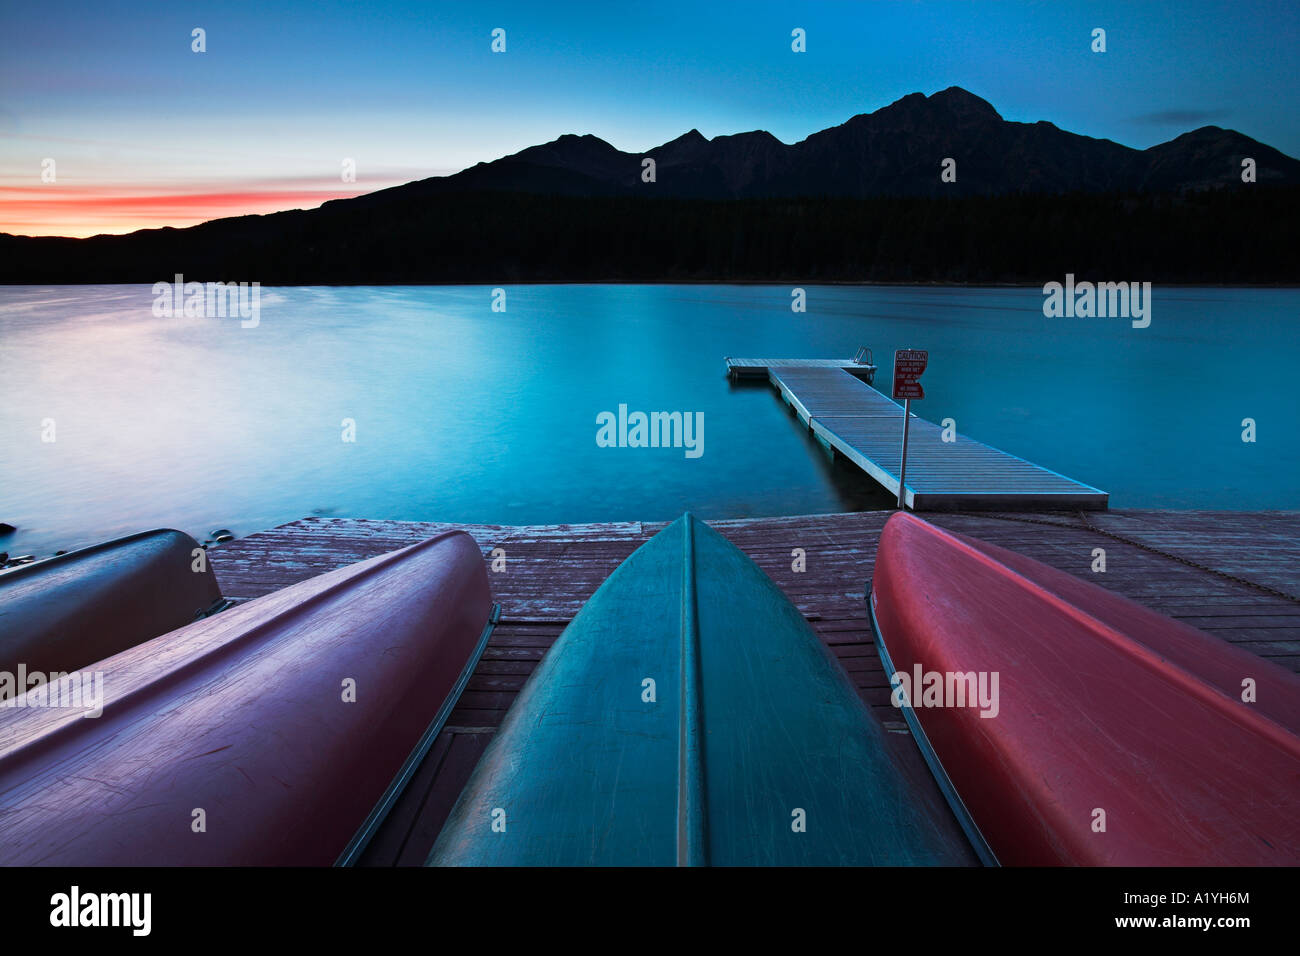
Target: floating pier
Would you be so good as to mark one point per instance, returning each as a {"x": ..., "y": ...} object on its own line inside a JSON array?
[
  {"x": 858, "y": 422},
  {"x": 760, "y": 368},
  {"x": 1233, "y": 575}
]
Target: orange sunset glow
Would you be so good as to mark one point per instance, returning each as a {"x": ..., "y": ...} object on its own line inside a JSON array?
[{"x": 79, "y": 211}]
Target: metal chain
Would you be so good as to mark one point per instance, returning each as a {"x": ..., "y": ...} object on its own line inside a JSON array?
[{"x": 1087, "y": 525}]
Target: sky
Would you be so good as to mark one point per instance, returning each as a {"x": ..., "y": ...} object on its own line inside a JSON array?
[{"x": 143, "y": 131}]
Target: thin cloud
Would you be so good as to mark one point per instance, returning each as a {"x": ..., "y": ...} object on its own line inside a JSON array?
[{"x": 1185, "y": 117}]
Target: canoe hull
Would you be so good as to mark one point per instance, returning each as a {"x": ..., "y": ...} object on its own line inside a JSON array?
[
  {"x": 1119, "y": 737},
  {"x": 74, "y": 609},
  {"x": 688, "y": 715},
  {"x": 263, "y": 736}
]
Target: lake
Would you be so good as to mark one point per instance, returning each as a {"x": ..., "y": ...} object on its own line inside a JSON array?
[{"x": 462, "y": 413}]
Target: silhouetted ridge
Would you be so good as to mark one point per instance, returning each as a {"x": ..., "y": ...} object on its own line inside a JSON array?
[{"x": 861, "y": 200}]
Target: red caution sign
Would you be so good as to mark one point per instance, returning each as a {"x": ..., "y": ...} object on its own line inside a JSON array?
[{"x": 908, "y": 366}]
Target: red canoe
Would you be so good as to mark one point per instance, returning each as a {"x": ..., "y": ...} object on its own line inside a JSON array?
[
  {"x": 239, "y": 723},
  {"x": 1106, "y": 713},
  {"x": 77, "y": 608}
]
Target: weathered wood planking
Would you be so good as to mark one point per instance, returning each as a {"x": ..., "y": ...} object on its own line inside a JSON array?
[
  {"x": 866, "y": 427},
  {"x": 551, "y": 570}
]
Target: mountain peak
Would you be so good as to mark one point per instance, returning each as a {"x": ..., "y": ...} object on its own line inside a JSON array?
[
  {"x": 691, "y": 136},
  {"x": 586, "y": 139},
  {"x": 911, "y": 99},
  {"x": 689, "y": 147},
  {"x": 917, "y": 108},
  {"x": 965, "y": 102},
  {"x": 1210, "y": 132},
  {"x": 1206, "y": 136}
]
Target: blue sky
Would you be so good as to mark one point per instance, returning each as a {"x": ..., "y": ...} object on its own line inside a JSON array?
[{"x": 137, "y": 122}]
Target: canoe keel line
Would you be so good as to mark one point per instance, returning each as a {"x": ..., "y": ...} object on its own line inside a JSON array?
[
  {"x": 692, "y": 847},
  {"x": 763, "y": 754}
]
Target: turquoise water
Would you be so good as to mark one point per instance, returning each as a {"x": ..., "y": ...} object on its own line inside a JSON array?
[{"x": 466, "y": 414}]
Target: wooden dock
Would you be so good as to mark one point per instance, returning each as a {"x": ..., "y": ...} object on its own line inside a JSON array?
[
  {"x": 760, "y": 368},
  {"x": 1234, "y": 575},
  {"x": 866, "y": 427}
]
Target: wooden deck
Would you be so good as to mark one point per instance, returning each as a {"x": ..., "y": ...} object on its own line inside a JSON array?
[
  {"x": 866, "y": 427},
  {"x": 1234, "y": 575},
  {"x": 740, "y": 368}
]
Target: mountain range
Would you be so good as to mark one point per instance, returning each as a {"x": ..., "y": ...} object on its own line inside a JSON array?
[
  {"x": 860, "y": 201},
  {"x": 895, "y": 151}
]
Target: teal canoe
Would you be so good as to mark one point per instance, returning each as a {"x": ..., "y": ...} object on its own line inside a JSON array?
[{"x": 689, "y": 716}]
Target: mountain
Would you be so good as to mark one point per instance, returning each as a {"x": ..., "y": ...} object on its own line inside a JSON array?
[
  {"x": 895, "y": 151},
  {"x": 860, "y": 201},
  {"x": 1198, "y": 160}
]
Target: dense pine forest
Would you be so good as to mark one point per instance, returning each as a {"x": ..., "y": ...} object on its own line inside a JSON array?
[{"x": 1230, "y": 235}]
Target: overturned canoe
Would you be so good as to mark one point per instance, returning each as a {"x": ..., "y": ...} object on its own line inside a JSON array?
[
  {"x": 1117, "y": 736},
  {"x": 278, "y": 732},
  {"x": 688, "y": 715},
  {"x": 74, "y": 609}
]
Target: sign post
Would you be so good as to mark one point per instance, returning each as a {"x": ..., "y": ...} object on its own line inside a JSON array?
[{"x": 908, "y": 366}]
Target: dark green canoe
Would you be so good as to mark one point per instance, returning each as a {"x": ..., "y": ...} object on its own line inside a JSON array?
[{"x": 755, "y": 749}]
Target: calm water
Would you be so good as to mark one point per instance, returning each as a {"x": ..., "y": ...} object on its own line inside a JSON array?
[{"x": 463, "y": 414}]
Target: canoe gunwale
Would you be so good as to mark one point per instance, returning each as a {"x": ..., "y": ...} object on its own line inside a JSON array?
[
  {"x": 70, "y": 557},
  {"x": 366, "y": 832},
  {"x": 217, "y": 606},
  {"x": 66, "y": 613},
  {"x": 1106, "y": 703},
  {"x": 977, "y": 841}
]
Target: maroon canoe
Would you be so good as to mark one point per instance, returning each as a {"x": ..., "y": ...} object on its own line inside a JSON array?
[
  {"x": 1117, "y": 736},
  {"x": 77, "y": 608},
  {"x": 275, "y": 733}
]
